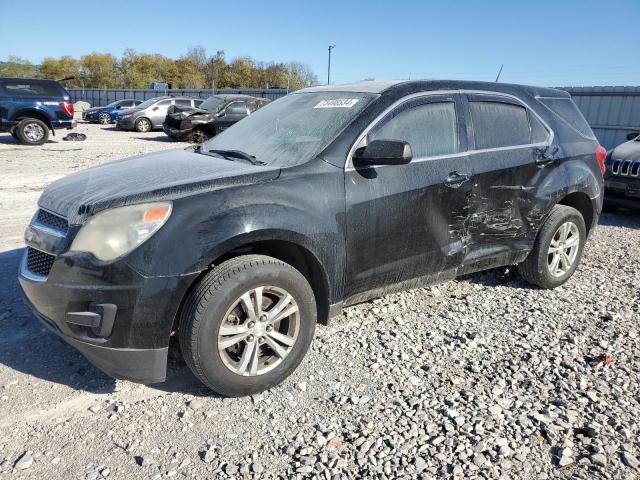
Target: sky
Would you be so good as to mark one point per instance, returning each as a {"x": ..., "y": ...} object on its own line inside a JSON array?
[{"x": 550, "y": 43}]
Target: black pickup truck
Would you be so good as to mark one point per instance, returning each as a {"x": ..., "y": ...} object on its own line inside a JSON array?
[{"x": 324, "y": 198}]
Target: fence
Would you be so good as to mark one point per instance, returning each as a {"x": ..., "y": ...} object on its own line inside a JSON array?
[
  {"x": 98, "y": 97},
  {"x": 612, "y": 112}
]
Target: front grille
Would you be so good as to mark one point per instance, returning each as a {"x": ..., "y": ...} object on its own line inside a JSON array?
[
  {"x": 39, "y": 262},
  {"x": 626, "y": 168},
  {"x": 52, "y": 220}
]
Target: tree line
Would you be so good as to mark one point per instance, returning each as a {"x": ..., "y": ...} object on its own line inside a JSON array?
[{"x": 195, "y": 69}]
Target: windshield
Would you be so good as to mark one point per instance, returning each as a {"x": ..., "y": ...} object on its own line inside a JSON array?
[
  {"x": 148, "y": 103},
  {"x": 293, "y": 129},
  {"x": 213, "y": 104}
]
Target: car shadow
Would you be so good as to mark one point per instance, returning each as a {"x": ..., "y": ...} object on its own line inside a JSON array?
[
  {"x": 9, "y": 140},
  {"x": 501, "y": 276},
  {"x": 28, "y": 347},
  {"x": 158, "y": 138},
  {"x": 621, "y": 218}
]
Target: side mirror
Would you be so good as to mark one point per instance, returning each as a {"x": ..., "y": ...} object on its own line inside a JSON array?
[
  {"x": 156, "y": 108},
  {"x": 237, "y": 111},
  {"x": 383, "y": 152}
]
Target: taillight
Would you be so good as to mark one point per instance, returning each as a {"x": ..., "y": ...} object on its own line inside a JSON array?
[
  {"x": 601, "y": 154},
  {"x": 67, "y": 108}
]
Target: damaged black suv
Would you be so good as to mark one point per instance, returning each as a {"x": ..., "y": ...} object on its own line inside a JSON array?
[{"x": 326, "y": 197}]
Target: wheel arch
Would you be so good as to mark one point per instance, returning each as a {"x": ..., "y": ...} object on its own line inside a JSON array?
[
  {"x": 583, "y": 203},
  {"x": 33, "y": 113},
  {"x": 289, "y": 251}
]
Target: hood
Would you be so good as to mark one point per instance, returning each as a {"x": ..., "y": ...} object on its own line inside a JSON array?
[
  {"x": 189, "y": 112},
  {"x": 627, "y": 151},
  {"x": 157, "y": 176}
]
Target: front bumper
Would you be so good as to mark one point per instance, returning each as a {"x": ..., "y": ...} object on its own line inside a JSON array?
[
  {"x": 125, "y": 123},
  {"x": 622, "y": 192},
  {"x": 177, "y": 134},
  {"x": 71, "y": 301}
]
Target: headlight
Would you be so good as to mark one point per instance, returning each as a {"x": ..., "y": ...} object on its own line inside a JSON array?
[{"x": 116, "y": 232}]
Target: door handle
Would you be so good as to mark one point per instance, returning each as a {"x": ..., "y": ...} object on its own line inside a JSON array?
[{"x": 455, "y": 179}]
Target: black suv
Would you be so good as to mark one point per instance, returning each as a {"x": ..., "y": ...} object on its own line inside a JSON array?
[
  {"x": 324, "y": 198},
  {"x": 214, "y": 115},
  {"x": 622, "y": 180},
  {"x": 29, "y": 108}
]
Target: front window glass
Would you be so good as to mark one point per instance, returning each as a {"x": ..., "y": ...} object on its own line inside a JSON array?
[
  {"x": 148, "y": 103},
  {"x": 293, "y": 129},
  {"x": 213, "y": 104},
  {"x": 429, "y": 128}
]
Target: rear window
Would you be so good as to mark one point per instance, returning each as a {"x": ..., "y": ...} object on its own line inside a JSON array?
[
  {"x": 31, "y": 88},
  {"x": 569, "y": 113},
  {"x": 499, "y": 125}
]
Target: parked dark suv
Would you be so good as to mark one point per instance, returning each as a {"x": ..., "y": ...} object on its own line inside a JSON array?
[
  {"x": 29, "y": 108},
  {"x": 211, "y": 117},
  {"x": 326, "y": 197},
  {"x": 622, "y": 180}
]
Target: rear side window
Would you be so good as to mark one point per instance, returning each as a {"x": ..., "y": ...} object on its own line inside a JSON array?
[
  {"x": 499, "y": 125},
  {"x": 430, "y": 129},
  {"x": 569, "y": 113},
  {"x": 183, "y": 102},
  {"x": 539, "y": 133},
  {"x": 27, "y": 88}
]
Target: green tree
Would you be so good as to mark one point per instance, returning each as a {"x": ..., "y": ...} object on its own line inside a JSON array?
[
  {"x": 100, "y": 70},
  {"x": 18, "y": 67},
  {"x": 56, "y": 69}
]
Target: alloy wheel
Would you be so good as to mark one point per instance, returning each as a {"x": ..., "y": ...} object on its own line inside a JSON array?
[
  {"x": 104, "y": 118},
  {"x": 144, "y": 125},
  {"x": 563, "y": 249},
  {"x": 33, "y": 132},
  {"x": 259, "y": 331}
]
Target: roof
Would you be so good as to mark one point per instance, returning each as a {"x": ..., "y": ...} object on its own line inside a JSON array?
[{"x": 433, "y": 85}]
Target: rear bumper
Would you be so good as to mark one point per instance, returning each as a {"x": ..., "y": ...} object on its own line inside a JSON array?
[{"x": 69, "y": 124}]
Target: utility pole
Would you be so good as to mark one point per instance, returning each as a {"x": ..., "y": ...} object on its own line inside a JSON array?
[{"x": 331, "y": 47}]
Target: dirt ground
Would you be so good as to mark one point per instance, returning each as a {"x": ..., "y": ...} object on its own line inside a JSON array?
[{"x": 76, "y": 422}]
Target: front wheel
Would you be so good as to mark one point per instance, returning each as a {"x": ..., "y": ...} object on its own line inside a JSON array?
[
  {"x": 247, "y": 325},
  {"x": 557, "y": 250}
]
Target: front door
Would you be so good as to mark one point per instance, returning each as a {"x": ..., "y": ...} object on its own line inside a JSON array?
[{"x": 405, "y": 223}]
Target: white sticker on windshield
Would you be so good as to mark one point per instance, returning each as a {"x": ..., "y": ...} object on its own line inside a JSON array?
[{"x": 337, "y": 103}]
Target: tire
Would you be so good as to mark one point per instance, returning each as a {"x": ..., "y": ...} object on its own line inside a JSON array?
[
  {"x": 104, "y": 118},
  {"x": 32, "y": 131},
  {"x": 143, "y": 125},
  {"x": 537, "y": 267},
  {"x": 199, "y": 136},
  {"x": 209, "y": 305}
]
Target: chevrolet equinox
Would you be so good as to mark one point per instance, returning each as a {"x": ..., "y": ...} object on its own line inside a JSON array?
[{"x": 327, "y": 197}]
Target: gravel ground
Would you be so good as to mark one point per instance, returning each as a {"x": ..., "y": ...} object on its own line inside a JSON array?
[{"x": 482, "y": 377}]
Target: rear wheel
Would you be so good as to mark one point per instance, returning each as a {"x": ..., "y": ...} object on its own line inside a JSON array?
[
  {"x": 32, "y": 131},
  {"x": 143, "y": 125},
  {"x": 104, "y": 118},
  {"x": 247, "y": 325},
  {"x": 557, "y": 250}
]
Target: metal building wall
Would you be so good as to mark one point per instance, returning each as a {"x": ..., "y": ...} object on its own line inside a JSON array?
[{"x": 612, "y": 112}]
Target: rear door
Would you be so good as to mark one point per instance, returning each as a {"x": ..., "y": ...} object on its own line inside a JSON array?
[
  {"x": 506, "y": 137},
  {"x": 405, "y": 222}
]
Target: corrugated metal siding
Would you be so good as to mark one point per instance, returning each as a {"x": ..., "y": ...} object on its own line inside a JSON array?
[{"x": 612, "y": 112}]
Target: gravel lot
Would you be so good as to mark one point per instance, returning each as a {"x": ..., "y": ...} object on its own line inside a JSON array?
[{"x": 483, "y": 377}]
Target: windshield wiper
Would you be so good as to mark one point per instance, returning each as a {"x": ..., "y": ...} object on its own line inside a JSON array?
[{"x": 233, "y": 154}]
